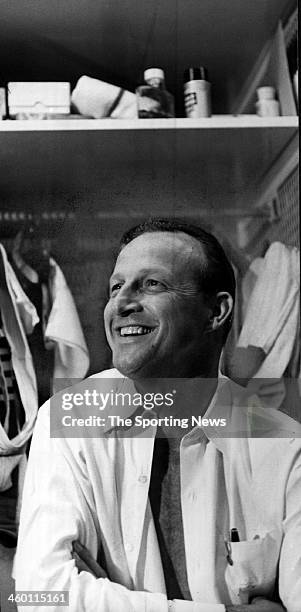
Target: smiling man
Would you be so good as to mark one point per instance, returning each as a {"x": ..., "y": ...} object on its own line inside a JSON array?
[
  {"x": 156, "y": 521},
  {"x": 160, "y": 311}
]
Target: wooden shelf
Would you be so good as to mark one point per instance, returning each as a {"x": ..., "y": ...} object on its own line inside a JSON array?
[{"x": 214, "y": 122}]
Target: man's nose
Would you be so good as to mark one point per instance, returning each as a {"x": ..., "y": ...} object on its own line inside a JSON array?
[{"x": 128, "y": 301}]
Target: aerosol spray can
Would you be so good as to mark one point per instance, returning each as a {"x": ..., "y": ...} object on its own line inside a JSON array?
[{"x": 197, "y": 92}]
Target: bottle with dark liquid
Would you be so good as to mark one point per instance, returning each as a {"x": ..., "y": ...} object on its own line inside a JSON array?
[{"x": 153, "y": 99}]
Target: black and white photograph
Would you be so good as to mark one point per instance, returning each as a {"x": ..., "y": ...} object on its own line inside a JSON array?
[{"x": 150, "y": 374}]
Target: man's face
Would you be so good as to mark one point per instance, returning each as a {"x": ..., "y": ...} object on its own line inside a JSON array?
[{"x": 156, "y": 316}]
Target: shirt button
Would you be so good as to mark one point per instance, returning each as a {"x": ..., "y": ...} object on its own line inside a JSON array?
[
  {"x": 129, "y": 548},
  {"x": 142, "y": 479}
]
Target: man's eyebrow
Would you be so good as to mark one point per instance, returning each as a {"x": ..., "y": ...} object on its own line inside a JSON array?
[
  {"x": 142, "y": 272},
  {"x": 154, "y": 270},
  {"x": 115, "y": 277}
]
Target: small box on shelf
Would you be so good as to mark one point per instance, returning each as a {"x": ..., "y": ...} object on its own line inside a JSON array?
[{"x": 35, "y": 99}]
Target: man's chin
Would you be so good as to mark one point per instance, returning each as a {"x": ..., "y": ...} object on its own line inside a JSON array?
[{"x": 132, "y": 368}]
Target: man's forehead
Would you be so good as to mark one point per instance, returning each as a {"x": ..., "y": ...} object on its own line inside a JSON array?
[{"x": 162, "y": 247}]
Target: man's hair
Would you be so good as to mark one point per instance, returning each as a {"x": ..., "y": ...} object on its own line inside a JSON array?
[{"x": 216, "y": 272}]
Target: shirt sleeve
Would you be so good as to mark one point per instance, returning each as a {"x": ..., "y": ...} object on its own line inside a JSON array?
[
  {"x": 272, "y": 298},
  {"x": 52, "y": 517},
  {"x": 290, "y": 557}
]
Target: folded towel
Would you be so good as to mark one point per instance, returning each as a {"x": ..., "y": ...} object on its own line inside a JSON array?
[{"x": 98, "y": 99}]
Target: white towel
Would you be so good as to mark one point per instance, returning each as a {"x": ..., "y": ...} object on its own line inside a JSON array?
[
  {"x": 271, "y": 321},
  {"x": 64, "y": 329},
  {"x": 98, "y": 99}
]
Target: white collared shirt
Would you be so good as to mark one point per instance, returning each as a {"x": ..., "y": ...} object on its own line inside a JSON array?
[{"x": 96, "y": 490}]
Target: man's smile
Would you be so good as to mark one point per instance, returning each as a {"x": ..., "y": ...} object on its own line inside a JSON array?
[
  {"x": 134, "y": 330},
  {"x": 131, "y": 330}
]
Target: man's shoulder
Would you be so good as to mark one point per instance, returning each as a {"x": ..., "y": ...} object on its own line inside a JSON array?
[
  {"x": 64, "y": 416},
  {"x": 265, "y": 429}
]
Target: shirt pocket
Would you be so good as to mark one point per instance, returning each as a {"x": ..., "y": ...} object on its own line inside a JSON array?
[{"x": 254, "y": 567}]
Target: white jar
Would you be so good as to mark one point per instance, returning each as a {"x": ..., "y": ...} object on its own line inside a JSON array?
[{"x": 267, "y": 106}]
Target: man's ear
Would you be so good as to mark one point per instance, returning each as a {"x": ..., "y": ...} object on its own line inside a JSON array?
[{"x": 221, "y": 310}]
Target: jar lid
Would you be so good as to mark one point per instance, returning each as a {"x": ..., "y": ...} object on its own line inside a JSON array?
[
  {"x": 199, "y": 73},
  {"x": 154, "y": 73},
  {"x": 266, "y": 93}
]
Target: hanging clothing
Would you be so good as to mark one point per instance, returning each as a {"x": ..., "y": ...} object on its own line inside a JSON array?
[
  {"x": 43, "y": 356},
  {"x": 11, "y": 409},
  {"x": 12, "y": 419},
  {"x": 57, "y": 342},
  {"x": 271, "y": 320},
  {"x": 18, "y": 396},
  {"x": 249, "y": 281},
  {"x": 71, "y": 356},
  {"x": 18, "y": 318}
]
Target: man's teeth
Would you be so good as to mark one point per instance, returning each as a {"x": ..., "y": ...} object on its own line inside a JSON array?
[{"x": 134, "y": 330}]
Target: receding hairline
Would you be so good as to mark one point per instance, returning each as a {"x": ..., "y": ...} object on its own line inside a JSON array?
[
  {"x": 215, "y": 267},
  {"x": 197, "y": 246}
]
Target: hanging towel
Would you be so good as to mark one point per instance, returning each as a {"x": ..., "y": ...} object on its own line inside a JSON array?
[
  {"x": 249, "y": 281},
  {"x": 98, "y": 99},
  {"x": 18, "y": 317},
  {"x": 71, "y": 359},
  {"x": 271, "y": 321}
]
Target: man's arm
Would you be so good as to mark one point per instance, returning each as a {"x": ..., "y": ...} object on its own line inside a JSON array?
[
  {"x": 85, "y": 563},
  {"x": 50, "y": 555},
  {"x": 54, "y": 514},
  {"x": 290, "y": 556}
]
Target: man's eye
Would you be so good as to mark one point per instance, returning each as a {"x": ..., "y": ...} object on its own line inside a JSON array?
[
  {"x": 115, "y": 288},
  {"x": 152, "y": 283}
]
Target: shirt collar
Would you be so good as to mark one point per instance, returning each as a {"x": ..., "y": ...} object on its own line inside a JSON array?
[{"x": 219, "y": 407}]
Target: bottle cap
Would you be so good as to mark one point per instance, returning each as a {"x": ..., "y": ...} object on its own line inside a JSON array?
[
  {"x": 154, "y": 73},
  {"x": 196, "y": 74},
  {"x": 266, "y": 93}
]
